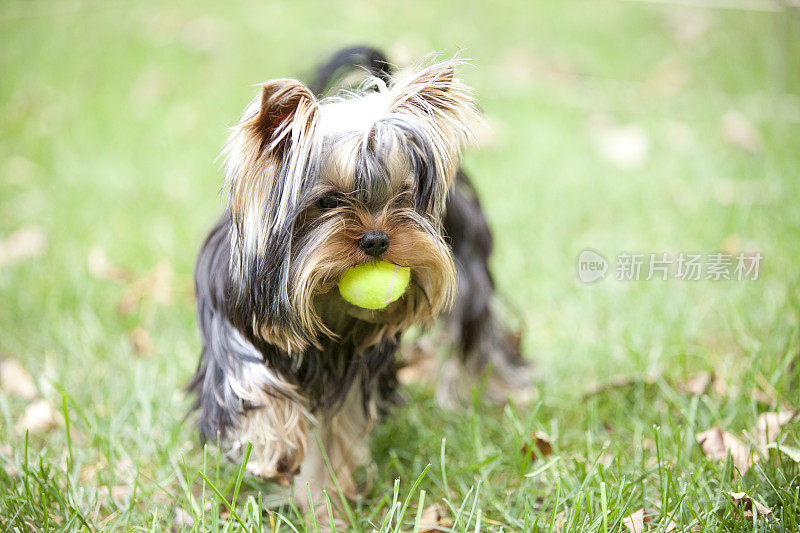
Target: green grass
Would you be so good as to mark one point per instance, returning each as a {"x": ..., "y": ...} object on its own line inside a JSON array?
[{"x": 112, "y": 115}]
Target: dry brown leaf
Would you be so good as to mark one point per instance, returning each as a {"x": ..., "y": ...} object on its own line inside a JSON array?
[
  {"x": 39, "y": 417},
  {"x": 558, "y": 521},
  {"x": 717, "y": 443},
  {"x": 719, "y": 386},
  {"x": 768, "y": 425},
  {"x": 768, "y": 394},
  {"x": 638, "y": 522},
  {"x": 7, "y": 453},
  {"x": 433, "y": 519},
  {"x": 117, "y": 493},
  {"x": 761, "y": 397},
  {"x": 120, "y": 493},
  {"x": 669, "y": 75},
  {"x": 697, "y": 384},
  {"x": 156, "y": 285},
  {"x": 203, "y": 34},
  {"x": 679, "y": 136},
  {"x": 539, "y": 445},
  {"x": 619, "y": 382},
  {"x": 626, "y": 146},
  {"x": 24, "y": 243},
  {"x": 101, "y": 268},
  {"x": 672, "y": 526},
  {"x": 749, "y": 505},
  {"x": 634, "y": 522},
  {"x": 740, "y": 132},
  {"x": 788, "y": 451},
  {"x": 15, "y": 380},
  {"x": 140, "y": 341},
  {"x": 687, "y": 24},
  {"x": 19, "y": 170},
  {"x": 181, "y": 519}
]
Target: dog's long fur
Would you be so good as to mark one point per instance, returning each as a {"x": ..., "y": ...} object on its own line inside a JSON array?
[{"x": 285, "y": 359}]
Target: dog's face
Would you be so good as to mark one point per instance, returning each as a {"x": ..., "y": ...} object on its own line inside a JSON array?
[{"x": 316, "y": 187}]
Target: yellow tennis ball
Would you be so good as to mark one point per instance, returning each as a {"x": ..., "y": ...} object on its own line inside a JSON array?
[{"x": 374, "y": 285}]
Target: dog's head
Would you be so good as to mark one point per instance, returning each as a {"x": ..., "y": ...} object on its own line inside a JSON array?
[{"x": 318, "y": 186}]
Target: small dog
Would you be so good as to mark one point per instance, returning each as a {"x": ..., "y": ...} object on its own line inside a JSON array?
[{"x": 316, "y": 186}]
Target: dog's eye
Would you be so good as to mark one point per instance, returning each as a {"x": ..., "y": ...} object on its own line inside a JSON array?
[{"x": 329, "y": 202}]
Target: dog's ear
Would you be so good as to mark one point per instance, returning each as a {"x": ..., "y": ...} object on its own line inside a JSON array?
[
  {"x": 286, "y": 112},
  {"x": 432, "y": 90},
  {"x": 444, "y": 107},
  {"x": 271, "y": 157},
  {"x": 268, "y": 156}
]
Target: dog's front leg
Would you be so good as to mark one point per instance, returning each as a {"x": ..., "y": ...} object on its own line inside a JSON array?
[
  {"x": 278, "y": 428},
  {"x": 341, "y": 436}
]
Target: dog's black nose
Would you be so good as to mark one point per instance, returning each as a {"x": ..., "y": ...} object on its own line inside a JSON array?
[{"x": 374, "y": 243}]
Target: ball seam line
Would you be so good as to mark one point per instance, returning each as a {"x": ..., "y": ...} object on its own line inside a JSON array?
[{"x": 391, "y": 285}]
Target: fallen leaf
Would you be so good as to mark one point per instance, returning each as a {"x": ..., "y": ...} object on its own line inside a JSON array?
[
  {"x": 687, "y": 25},
  {"x": 719, "y": 386},
  {"x": 791, "y": 453},
  {"x": 761, "y": 397},
  {"x": 156, "y": 285},
  {"x": 6, "y": 453},
  {"x": 672, "y": 526},
  {"x": 181, "y": 519},
  {"x": 626, "y": 146},
  {"x": 433, "y": 519},
  {"x": 124, "y": 467},
  {"x": 558, "y": 521},
  {"x": 14, "y": 379},
  {"x": 101, "y": 268},
  {"x": 203, "y": 34},
  {"x": 634, "y": 522},
  {"x": 606, "y": 459},
  {"x": 768, "y": 425},
  {"x": 120, "y": 493},
  {"x": 738, "y": 131},
  {"x": 19, "y": 170},
  {"x": 518, "y": 67},
  {"x": 620, "y": 382},
  {"x": 749, "y": 505},
  {"x": 24, "y": 243},
  {"x": 538, "y": 445},
  {"x": 639, "y": 521},
  {"x": 717, "y": 443},
  {"x": 140, "y": 341},
  {"x": 669, "y": 75},
  {"x": 679, "y": 136},
  {"x": 697, "y": 384},
  {"x": 769, "y": 391},
  {"x": 39, "y": 417}
]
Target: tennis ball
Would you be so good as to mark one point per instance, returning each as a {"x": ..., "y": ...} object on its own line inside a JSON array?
[{"x": 374, "y": 285}]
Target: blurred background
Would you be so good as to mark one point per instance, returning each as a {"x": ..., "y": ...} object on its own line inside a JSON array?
[{"x": 649, "y": 126}]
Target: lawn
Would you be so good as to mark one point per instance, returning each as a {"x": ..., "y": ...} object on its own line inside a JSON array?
[{"x": 623, "y": 127}]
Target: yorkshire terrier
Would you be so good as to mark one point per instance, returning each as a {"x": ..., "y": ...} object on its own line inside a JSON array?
[{"x": 316, "y": 185}]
